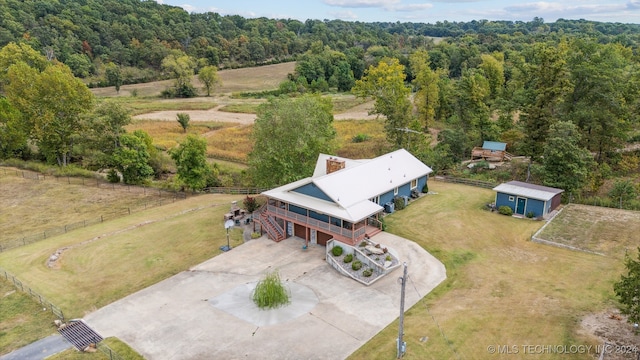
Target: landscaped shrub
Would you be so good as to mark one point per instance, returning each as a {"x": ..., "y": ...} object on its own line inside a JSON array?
[
  {"x": 348, "y": 258},
  {"x": 531, "y": 214},
  {"x": 367, "y": 272},
  {"x": 388, "y": 258},
  {"x": 425, "y": 188},
  {"x": 505, "y": 210},
  {"x": 398, "y": 203},
  {"x": 356, "y": 265},
  {"x": 270, "y": 293},
  {"x": 362, "y": 244},
  {"x": 337, "y": 250}
]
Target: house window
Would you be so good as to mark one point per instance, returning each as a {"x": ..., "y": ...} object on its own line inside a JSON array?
[
  {"x": 511, "y": 198},
  {"x": 376, "y": 199},
  {"x": 414, "y": 183},
  {"x": 395, "y": 191}
]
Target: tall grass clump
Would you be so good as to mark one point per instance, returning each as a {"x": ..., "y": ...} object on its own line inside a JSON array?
[{"x": 270, "y": 293}]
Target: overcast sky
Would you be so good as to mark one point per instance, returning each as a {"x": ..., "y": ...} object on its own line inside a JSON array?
[{"x": 624, "y": 11}]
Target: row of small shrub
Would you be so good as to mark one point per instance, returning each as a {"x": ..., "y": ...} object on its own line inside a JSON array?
[{"x": 355, "y": 265}]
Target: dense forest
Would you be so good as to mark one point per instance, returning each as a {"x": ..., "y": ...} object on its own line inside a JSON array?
[{"x": 564, "y": 94}]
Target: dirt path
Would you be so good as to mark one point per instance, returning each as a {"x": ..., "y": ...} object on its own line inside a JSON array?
[{"x": 360, "y": 112}]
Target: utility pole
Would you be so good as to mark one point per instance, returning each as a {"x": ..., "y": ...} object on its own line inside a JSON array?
[{"x": 402, "y": 346}]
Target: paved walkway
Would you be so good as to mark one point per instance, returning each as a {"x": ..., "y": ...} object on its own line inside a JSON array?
[
  {"x": 40, "y": 349},
  {"x": 192, "y": 314}
]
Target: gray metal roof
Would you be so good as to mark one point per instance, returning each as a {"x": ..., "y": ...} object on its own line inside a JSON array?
[{"x": 531, "y": 191}]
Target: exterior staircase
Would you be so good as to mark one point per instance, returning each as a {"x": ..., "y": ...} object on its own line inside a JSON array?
[{"x": 269, "y": 224}]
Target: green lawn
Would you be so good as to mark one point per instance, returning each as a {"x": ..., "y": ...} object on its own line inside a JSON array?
[
  {"x": 22, "y": 320},
  {"x": 502, "y": 289},
  {"x": 113, "y": 259}
]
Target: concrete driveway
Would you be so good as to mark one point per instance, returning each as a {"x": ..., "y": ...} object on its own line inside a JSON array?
[{"x": 207, "y": 312}]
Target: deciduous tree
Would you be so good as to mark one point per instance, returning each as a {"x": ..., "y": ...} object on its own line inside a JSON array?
[
  {"x": 289, "y": 134},
  {"x": 426, "y": 84},
  {"x": 208, "y": 75},
  {"x": 113, "y": 75},
  {"x": 548, "y": 83},
  {"x": 55, "y": 101},
  {"x": 628, "y": 288},
  {"x": 13, "y": 131},
  {"x": 385, "y": 83},
  {"x": 183, "y": 120},
  {"x": 191, "y": 161},
  {"x": 181, "y": 67},
  {"x": 131, "y": 159},
  {"x": 566, "y": 163}
]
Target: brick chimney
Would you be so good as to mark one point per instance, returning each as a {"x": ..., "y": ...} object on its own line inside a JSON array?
[{"x": 334, "y": 164}]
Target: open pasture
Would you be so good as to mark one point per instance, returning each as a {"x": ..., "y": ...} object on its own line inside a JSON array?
[
  {"x": 107, "y": 261},
  {"x": 501, "y": 288},
  {"x": 33, "y": 206}
]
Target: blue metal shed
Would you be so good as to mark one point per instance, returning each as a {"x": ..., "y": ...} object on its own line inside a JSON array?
[{"x": 525, "y": 199}]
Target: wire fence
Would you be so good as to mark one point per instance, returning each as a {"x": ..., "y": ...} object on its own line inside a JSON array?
[
  {"x": 471, "y": 182},
  {"x": 152, "y": 198},
  {"x": 234, "y": 190},
  {"x": 112, "y": 354},
  {"x": 27, "y": 290}
]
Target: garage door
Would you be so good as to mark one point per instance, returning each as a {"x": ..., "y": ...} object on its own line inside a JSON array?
[
  {"x": 323, "y": 238},
  {"x": 300, "y": 231}
]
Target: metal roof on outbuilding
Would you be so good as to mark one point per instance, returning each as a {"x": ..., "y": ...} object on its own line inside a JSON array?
[
  {"x": 531, "y": 191},
  {"x": 494, "y": 146}
]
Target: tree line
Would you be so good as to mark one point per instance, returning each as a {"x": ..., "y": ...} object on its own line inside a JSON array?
[
  {"x": 564, "y": 94},
  {"x": 137, "y": 35}
]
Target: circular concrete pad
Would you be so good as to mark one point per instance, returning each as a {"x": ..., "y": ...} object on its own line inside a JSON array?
[{"x": 239, "y": 303}]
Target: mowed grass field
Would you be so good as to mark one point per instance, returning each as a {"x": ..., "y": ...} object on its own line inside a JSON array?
[
  {"x": 109, "y": 260},
  {"x": 22, "y": 320},
  {"x": 31, "y": 206},
  {"x": 502, "y": 289}
]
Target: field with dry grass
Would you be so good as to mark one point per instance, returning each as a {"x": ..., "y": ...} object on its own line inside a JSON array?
[
  {"x": 107, "y": 261},
  {"x": 232, "y": 80},
  {"x": 34, "y": 206},
  {"x": 611, "y": 232},
  {"x": 226, "y": 121},
  {"x": 502, "y": 289}
]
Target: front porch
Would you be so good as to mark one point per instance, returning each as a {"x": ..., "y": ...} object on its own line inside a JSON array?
[{"x": 281, "y": 220}]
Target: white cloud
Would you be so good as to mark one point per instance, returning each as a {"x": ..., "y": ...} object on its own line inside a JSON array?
[
  {"x": 344, "y": 15},
  {"x": 411, "y": 7},
  {"x": 361, "y": 3}
]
